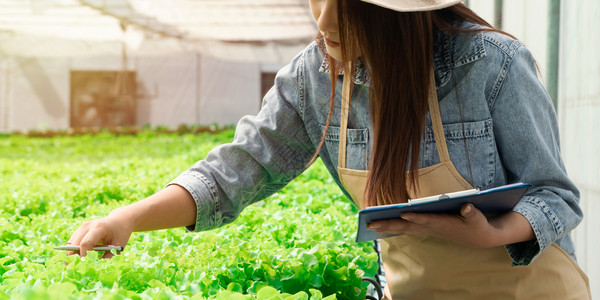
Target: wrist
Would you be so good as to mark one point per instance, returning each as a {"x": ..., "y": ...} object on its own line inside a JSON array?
[
  {"x": 126, "y": 217},
  {"x": 511, "y": 228}
]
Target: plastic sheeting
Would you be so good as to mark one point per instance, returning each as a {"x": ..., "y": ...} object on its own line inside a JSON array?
[
  {"x": 194, "y": 61},
  {"x": 261, "y": 31},
  {"x": 184, "y": 88}
]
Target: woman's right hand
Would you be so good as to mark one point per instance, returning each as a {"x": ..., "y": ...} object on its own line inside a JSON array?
[
  {"x": 171, "y": 207},
  {"x": 114, "y": 229}
]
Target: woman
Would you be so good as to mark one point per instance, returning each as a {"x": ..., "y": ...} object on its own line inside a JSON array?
[{"x": 427, "y": 87}]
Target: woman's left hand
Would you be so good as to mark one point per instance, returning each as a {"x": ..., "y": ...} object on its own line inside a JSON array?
[{"x": 470, "y": 228}]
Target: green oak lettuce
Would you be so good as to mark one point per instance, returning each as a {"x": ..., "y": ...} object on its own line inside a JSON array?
[{"x": 297, "y": 244}]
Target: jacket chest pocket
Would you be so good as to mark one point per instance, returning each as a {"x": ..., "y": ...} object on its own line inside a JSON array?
[
  {"x": 357, "y": 146},
  {"x": 472, "y": 150}
]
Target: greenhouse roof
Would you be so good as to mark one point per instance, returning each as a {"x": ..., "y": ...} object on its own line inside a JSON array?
[{"x": 248, "y": 30}]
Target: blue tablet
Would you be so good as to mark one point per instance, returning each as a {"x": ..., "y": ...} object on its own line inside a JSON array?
[{"x": 492, "y": 201}]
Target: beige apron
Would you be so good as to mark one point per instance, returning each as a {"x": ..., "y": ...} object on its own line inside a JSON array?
[{"x": 426, "y": 267}]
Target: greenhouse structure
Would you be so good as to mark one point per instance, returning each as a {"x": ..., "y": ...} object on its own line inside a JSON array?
[
  {"x": 159, "y": 63},
  {"x": 68, "y": 64}
]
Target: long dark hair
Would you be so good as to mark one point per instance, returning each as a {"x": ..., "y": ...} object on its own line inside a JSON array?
[{"x": 397, "y": 49}]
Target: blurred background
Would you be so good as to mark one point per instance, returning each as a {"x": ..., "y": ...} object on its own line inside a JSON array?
[
  {"x": 107, "y": 63},
  {"x": 71, "y": 63}
]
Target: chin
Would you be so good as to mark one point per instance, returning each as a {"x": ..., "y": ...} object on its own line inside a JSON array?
[
  {"x": 336, "y": 57},
  {"x": 334, "y": 54}
]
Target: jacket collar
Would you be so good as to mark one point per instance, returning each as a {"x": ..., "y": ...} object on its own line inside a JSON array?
[
  {"x": 361, "y": 76},
  {"x": 451, "y": 51}
]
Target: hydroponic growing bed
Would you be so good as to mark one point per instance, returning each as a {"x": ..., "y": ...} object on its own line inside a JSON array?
[{"x": 298, "y": 244}]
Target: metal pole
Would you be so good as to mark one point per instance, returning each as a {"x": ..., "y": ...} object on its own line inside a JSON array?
[
  {"x": 553, "y": 45},
  {"x": 498, "y": 5}
]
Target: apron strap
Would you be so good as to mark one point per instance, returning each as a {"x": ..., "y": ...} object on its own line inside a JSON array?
[
  {"x": 346, "y": 88},
  {"x": 434, "y": 112},
  {"x": 436, "y": 120}
]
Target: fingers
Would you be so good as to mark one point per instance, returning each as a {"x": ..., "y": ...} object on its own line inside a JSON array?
[
  {"x": 469, "y": 215},
  {"x": 88, "y": 235},
  {"x": 109, "y": 230},
  {"x": 470, "y": 227},
  {"x": 76, "y": 237},
  {"x": 395, "y": 226},
  {"x": 94, "y": 236},
  {"x": 442, "y": 225},
  {"x": 107, "y": 254}
]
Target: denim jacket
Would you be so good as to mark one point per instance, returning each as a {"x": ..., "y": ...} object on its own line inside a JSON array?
[{"x": 488, "y": 90}]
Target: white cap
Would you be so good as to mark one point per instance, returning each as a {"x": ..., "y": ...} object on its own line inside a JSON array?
[{"x": 413, "y": 5}]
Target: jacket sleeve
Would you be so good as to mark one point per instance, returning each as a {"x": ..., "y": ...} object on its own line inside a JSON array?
[
  {"x": 526, "y": 132},
  {"x": 268, "y": 151}
]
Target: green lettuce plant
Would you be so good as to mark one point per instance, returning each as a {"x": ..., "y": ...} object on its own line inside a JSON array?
[{"x": 297, "y": 244}]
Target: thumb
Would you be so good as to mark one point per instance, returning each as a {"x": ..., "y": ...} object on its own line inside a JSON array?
[
  {"x": 472, "y": 215},
  {"x": 469, "y": 212}
]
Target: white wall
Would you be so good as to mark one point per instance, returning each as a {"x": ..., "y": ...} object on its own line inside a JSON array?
[
  {"x": 228, "y": 90},
  {"x": 168, "y": 90},
  {"x": 528, "y": 21},
  {"x": 4, "y": 94},
  {"x": 38, "y": 93},
  {"x": 173, "y": 89},
  {"x": 485, "y": 9},
  {"x": 579, "y": 115}
]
